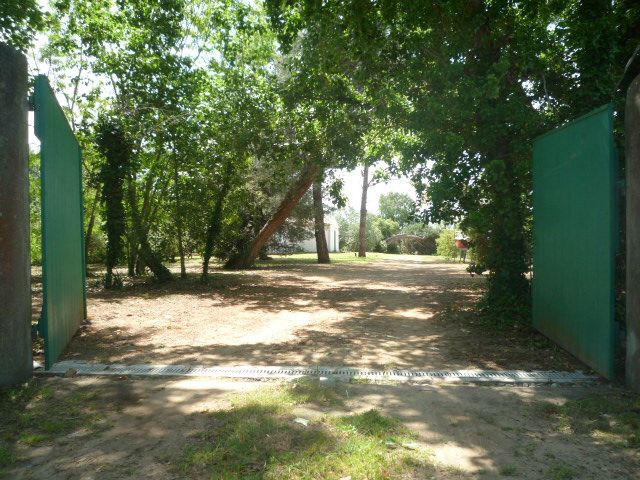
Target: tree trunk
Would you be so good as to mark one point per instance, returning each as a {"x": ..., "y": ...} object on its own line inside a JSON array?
[
  {"x": 140, "y": 266},
  {"x": 291, "y": 199},
  {"x": 16, "y": 365},
  {"x": 178, "y": 216},
  {"x": 92, "y": 221},
  {"x": 151, "y": 260},
  {"x": 318, "y": 213},
  {"x": 362, "y": 235},
  {"x": 132, "y": 253},
  {"x": 215, "y": 221}
]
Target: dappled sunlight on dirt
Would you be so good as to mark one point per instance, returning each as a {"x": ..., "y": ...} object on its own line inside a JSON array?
[{"x": 398, "y": 313}]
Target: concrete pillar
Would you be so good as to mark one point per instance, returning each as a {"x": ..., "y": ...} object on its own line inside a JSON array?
[
  {"x": 632, "y": 157},
  {"x": 16, "y": 364}
]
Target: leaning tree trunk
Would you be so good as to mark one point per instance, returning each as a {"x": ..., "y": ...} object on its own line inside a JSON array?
[
  {"x": 215, "y": 221},
  {"x": 362, "y": 234},
  {"x": 291, "y": 199},
  {"x": 318, "y": 213},
  {"x": 152, "y": 261}
]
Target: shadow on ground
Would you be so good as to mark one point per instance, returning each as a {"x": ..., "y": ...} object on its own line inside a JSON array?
[
  {"x": 385, "y": 314},
  {"x": 150, "y": 426}
]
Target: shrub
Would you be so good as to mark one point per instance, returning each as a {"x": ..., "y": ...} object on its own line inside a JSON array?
[{"x": 446, "y": 244}]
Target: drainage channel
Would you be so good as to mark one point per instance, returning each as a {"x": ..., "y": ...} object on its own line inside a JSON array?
[{"x": 76, "y": 367}]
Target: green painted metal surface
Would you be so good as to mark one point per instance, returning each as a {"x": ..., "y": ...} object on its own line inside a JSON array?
[
  {"x": 63, "y": 269},
  {"x": 575, "y": 238}
]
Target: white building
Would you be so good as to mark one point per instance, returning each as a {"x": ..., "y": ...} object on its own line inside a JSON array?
[{"x": 331, "y": 232}]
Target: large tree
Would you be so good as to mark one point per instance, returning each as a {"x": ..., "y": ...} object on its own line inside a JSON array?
[
  {"x": 397, "y": 206},
  {"x": 473, "y": 82},
  {"x": 318, "y": 217},
  {"x": 116, "y": 149}
]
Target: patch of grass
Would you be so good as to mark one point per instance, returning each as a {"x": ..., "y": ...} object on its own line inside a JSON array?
[
  {"x": 374, "y": 424},
  {"x": 613, "y": 418},
  {"x": 508, "y": 471},
  {"x": 344, "y": 258},
  {"x": 312, "y": 258},
  {"x": 32, "y": 438},
  {"x": 7, "y": 456},
  {"x": 560, "y": 471},
  {"x": 34, "y": 413},
  {"x": 312, "y": 390},
  {"x": 258, "y": 438},
  {"x": 285, "y": 396}
]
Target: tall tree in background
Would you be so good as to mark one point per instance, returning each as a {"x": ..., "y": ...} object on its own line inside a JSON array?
[
  {"x": 318, "y": 220},
  {"x": 457, "y": 75},
  {"x": 398, "y": 207},
  {"x": 293, "y": 195},
  {"x": 362, "y": 232},
  {"x": 450, "y": 92},
  {"x": 116, "y": 149},
  {"x": 214, "y": 229}
]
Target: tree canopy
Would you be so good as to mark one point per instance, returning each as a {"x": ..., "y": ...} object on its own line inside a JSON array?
[
  {"x": 230, "y": 110},
  {"x": 397, "y": 206}
]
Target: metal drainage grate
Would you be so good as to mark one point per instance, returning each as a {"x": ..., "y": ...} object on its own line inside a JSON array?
[{"x": 472, "y": 376}]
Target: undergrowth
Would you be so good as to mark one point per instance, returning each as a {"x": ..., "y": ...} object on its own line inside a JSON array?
[
  {"x": 612, "y": 419},
  {"x": 36, "y": 413}
]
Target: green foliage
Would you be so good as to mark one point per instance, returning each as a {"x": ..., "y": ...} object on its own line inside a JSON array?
[
  {"x": 35, "y": 209},
  {"x": 380, "y": 228},
  {"x": 19, "y": 20},
  {"x": 349, "y": 228},
  {"x": 398, "y": 207},
  {"x": 470, "y": 93},
  {"x": 259, "y": 438},
  {"x": 114, "y": 145},
  {"x": 446, "y": 244},
  {"x": 387, "y": 226}
]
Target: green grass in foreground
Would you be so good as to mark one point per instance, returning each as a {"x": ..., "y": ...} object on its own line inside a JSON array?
[
  {"x": 258, "y": 438},
  {"x": 36, "y": 413}
]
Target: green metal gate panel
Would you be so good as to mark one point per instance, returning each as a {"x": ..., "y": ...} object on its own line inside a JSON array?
[
  {"x": 575, "y": 238},
  {"x": 63, "y": 269}
]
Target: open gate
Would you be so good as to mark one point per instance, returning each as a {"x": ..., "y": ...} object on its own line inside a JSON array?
[
  {"x": 575, "y": 238},
  {"x": 63, "y": 264}
]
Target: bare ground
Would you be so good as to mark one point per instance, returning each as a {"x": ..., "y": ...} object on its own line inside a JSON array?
[
  {"x": 394, "y": 312},
  {"x": 398, "y": 312}
]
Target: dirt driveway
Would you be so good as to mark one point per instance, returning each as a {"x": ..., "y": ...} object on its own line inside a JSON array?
[{"x": 391, "y": 312}]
